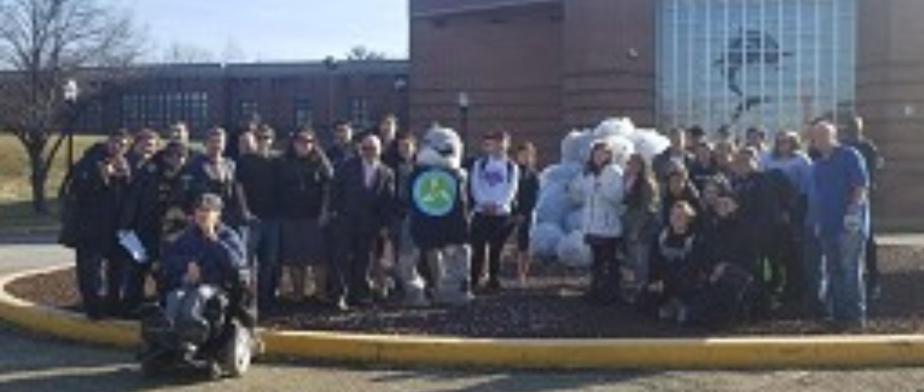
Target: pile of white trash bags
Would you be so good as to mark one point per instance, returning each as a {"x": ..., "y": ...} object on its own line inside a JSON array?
[{"x": 556, "y": 233}]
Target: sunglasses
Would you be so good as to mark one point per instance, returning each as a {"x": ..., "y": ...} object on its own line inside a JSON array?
[
  {"x": 368, "y": 148},
  {"x": 304, "y": 140}
]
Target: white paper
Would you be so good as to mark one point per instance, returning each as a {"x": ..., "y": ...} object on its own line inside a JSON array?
[{"x": 130, "y": 241}]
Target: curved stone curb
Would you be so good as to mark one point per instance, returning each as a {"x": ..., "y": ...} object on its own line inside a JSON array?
[{"x": 708, "y": 353}]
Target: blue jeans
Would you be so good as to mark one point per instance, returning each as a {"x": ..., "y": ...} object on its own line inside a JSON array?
[
  {"x": 842, "y": 284},
  {"x": 813, "y": 272},
  {"x": 262, "y": 240}
]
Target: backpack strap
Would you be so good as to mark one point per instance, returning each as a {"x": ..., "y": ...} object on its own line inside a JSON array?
[{"x": 483, "y": 162}]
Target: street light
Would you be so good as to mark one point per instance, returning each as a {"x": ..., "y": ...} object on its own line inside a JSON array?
[
  {"x": 330, "y": 63},
  {"x": 71, "y": 93},
  {"x": 464, "y": 104}
]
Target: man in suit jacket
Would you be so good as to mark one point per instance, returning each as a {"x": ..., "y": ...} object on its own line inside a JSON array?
[{"x": 361, "y": 204}]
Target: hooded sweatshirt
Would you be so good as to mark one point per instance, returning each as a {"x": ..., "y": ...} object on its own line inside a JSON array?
[{"x": 494, "y": 181}]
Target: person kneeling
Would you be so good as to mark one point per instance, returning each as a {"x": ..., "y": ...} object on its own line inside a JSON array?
[
  {"x": 730, "y": 292},
  {"x": 676, "y": 269}
]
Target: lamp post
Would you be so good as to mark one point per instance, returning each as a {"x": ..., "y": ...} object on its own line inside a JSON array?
[
  {"x": 398, "y": 104},
  {"x": 330, "y": 63},
  {"x": 464, "y": 104},
  {"x": 71, "y": 93}
]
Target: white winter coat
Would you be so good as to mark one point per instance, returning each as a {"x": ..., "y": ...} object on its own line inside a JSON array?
[{"x": 601, "y": 196}]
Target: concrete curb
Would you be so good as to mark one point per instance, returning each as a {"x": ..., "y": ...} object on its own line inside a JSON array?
[{"x": 708, "y": 353}]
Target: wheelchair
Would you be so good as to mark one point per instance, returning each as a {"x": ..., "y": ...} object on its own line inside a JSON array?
[{"x": 200, "y": 327}]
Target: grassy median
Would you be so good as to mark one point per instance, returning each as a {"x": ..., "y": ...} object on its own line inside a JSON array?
[{"x": 16, "y": 215}]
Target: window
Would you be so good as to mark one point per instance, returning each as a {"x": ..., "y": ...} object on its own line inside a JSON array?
[
  {"x": 742, "y": 63},
  {"x": 304, "y": 114},
  {"x": 131, "y": 112},
  {"x": 248, "y": 111},
  {"x": 162, "y": 109},
  {"x": 359, "y": 112},
  {"x": 198, "y": 113}
]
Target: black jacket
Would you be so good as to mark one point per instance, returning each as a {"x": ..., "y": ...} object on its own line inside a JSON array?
[
  {"x": 258, "y": 178},
  {"x": 360, "y": 209},
  {"x": 403, "y": 171},
  {"x": 339, "y": 154},
  {"x": 93, "y": 203},
  {"x": 727, "y": 240},
  {"x": 677, "y": 260},
  {"x": 390, "y": 155},
  {"x": 527, "y": 192},
  {"x": 303, "y": 186},
  {"x": 157, "y": 205},
  {"x": 235, "y": 212}
]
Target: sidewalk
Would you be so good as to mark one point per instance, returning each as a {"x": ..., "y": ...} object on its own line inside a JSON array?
[{"x": 902, "y": 239}]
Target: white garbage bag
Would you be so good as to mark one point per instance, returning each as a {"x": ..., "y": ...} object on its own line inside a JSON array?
[
  {"x": 649, "y": 143},
  {"x": 559, "y": 174},
  {"x": 544, "y": 239},
  {"x": 571, "y": 147},
  {"x": 554, "y": 204},
  {"x": 615, "y": 127},
  {"x": 573, "y": 251}
]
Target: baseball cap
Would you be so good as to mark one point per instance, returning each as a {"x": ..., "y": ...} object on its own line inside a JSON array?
[{"x": 209, "y": 201}]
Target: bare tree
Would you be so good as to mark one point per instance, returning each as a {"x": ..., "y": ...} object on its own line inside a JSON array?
[
  {"x": 232, "y": 52},
  {"x": 43, "y": 43},
  {"x": 182, "y": 53},
  {"x": 362, "y": 53}
]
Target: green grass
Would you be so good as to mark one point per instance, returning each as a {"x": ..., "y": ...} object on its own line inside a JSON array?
[{"x": 16, "y": 214}]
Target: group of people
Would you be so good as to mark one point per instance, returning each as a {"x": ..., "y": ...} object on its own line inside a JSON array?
[
  {"x": 330, "y": 219},
  {"x": 711, "y": 232},
  {"x": 707, "y": 231}
]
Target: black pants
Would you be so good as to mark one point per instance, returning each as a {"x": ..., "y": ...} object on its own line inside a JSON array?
[
  {"x": 784, "y": 254},
  {"x": 351, "y": 266},
  {"x": 99, "y": 270},
  {"x": 135, "y": 279},
  {"x": 604, "y": 270},
  {"x": 491, "y": 232}
]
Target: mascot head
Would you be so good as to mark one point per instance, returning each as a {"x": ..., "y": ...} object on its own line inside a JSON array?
[{"x": 441, "y": 147}]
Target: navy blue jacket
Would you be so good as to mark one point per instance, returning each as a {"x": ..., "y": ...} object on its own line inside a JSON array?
[{"x": 222, "y": 263}]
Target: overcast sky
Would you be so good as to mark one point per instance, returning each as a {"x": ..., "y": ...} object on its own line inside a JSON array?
[{"x": 268, "y": 30}]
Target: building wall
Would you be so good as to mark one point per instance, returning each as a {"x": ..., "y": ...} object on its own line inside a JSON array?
[
  {"x": 609, "y": 54},
  {"x": 157, "y": 96},
  {"x": 890, "y": 92},
  {"x": 508, "y": 61},
  {"x": 536, "y": 68}
]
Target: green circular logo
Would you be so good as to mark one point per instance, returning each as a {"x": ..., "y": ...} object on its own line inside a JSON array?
[{"x": 434, "y": 192}]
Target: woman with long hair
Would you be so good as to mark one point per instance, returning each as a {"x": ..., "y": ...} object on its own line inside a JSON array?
[
  {"x": 789, "y": 159},
  {"x": 601, "y": 189},
  {"x": 640, "y": 222},
  {"x": 527, "y": 195},
  {"x": 679, "y": 188},
  {"x": 676, "y": 270}
]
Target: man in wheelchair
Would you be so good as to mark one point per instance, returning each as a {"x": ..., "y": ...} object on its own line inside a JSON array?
[{"x": 206, "y": 317}]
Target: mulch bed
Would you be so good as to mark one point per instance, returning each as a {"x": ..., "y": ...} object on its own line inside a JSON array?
[{"x": 550, "y": 306}]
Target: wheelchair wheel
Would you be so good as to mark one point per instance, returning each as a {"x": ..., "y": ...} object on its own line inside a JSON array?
[{"x": 238, "y": 351}]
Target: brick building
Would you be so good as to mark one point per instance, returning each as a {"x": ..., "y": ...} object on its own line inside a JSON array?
[
  {"x": 539, "y": 67},
  {"x": 284, "y": 95},
  {"x": 534, "y": 67}
]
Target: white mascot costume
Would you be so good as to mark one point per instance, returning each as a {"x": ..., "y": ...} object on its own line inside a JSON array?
[{"x": 438, "y": 224}]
